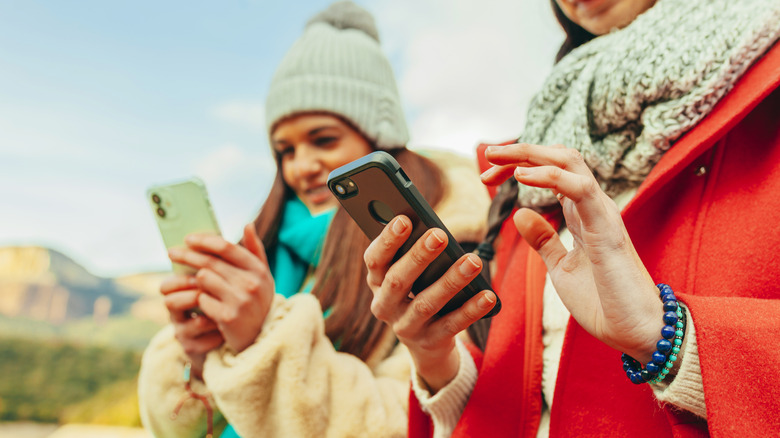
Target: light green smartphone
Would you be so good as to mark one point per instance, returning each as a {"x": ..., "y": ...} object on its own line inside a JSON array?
[{"x": 182, "y": 208}]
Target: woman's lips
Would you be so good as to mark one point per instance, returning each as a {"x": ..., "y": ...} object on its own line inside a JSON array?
[
  {"x": 590, "y": 7},
  {"x": 319, "y": 194}
]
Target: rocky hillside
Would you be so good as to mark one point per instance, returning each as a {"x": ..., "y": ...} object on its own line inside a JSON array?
[{"x": 43, "y": 284}]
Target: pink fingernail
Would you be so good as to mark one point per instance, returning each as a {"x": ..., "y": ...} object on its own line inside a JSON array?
[
  {"x": 523, "y": 171},
  {"x": 486, "y": 300},
  {"x": 399, "y": 226},
  {"x": 433, "y": 241},
  {"x": 469, "y": 266}
]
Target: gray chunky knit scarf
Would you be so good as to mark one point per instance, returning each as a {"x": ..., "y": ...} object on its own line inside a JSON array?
[{"x": 623, "y": 98}]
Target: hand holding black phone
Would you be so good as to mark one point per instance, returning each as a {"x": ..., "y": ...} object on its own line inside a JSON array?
[{"x": 374, "y": 189}]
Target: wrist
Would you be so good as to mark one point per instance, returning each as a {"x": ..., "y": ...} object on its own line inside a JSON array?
[{"x": 437, "y": 369}]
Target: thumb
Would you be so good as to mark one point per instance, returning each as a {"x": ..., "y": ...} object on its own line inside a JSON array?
[
  {"x": 253, "y": 243},
  {"x": 540, "y": 235}
]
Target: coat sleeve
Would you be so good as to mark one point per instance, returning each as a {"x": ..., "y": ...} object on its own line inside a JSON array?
[
  {"x": 291, "y": 381},
  {"x": 161, "y": 388},
  {"x": 736, "y": 339}
]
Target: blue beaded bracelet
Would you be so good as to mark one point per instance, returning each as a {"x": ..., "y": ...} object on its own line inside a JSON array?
[{"x": 668, "y": 347}]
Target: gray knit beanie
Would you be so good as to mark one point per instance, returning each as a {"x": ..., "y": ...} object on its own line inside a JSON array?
[{"x": 337, "y": 66}]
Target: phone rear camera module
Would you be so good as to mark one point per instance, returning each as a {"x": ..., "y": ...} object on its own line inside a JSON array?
[
  {"x": 156, "y": 198},
  {"x": 160, "y": 212},
  {"x": 344, "y": 188}
]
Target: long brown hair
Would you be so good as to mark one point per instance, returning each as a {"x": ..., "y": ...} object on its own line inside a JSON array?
[
  {"x": 340, "y": 278},
  {"x": 575, "y": 34}
]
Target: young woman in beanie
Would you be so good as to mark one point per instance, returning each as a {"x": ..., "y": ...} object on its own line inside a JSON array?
[
  {"x": 643, "y": 193},
  {"x": 309, "y": 360}
]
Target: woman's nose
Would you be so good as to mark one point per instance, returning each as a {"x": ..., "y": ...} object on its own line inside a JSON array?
[{"x": 307, "y": 163}]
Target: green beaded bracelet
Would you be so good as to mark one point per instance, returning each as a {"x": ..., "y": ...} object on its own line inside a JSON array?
[{"x": 679, "y": 334}]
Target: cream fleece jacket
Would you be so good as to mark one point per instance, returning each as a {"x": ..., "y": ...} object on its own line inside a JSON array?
[{"x": 291, "y": 382}]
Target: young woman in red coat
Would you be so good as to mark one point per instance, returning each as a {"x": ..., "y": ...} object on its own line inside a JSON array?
[{"x": 651, "y": 156}]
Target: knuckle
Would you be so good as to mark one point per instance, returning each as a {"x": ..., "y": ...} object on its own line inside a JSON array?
[
  {"x": 620, "y": 242},
  {"x": 369, "y": 260},
  {"x": 573, "y": 157},
  {"x": 470, "y": 313},
  {"x": 451, "y": 283},
  {"x": 373, "y": 283},
  {"x": 418, "y": 258},
  {"x": 423, "y": 306},
  {"x": 223, "y": 246},
  {"x": 450, "y": 327},
  {"x": 590, "y": 188},
  {"x": 392, "y": 283},
  {"x": 570, "y": 265},
  {"x": 555, "y": 174},
  {"x": 253, "y": 285},
  {"x": 523, "y": 152},
  {"x": 209, "y": 263},
  {"x": 386, "y": 241},
  {"x": 403, "y": 331},
  {"x": 230, "y": 316},
  {"x": 378, "y": 310}
]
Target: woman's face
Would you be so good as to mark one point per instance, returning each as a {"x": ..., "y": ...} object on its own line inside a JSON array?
[
  {"x": 310, "y": 146},
  {"x": 600, "y": 16}
]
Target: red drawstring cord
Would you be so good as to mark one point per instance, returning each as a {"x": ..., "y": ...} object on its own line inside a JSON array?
[{"x": 204, "y": 398}]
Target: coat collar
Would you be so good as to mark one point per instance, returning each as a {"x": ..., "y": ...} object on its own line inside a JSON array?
[{"x": 755, "y": 85}]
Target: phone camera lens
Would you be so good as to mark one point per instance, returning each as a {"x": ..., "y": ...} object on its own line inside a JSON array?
[
  {"x": 160, "y": 212},
  {"x": 340, "y": 189},
  {"x": 156, "y": 198}
]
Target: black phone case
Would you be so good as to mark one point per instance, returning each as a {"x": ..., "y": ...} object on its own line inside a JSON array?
[{"x": 379, "y": 183}]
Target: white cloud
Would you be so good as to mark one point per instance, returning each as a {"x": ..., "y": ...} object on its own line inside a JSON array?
[
  {"x": 229, "y": 162},
  {"x": 248, "y": 114},
  {"x": 467, "y": 70}
]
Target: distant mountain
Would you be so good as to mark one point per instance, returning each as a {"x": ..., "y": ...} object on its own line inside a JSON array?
[{"x": 43, "y": 284}]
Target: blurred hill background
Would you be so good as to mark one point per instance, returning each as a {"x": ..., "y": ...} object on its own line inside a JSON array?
[
  {"x": 72, "y": 341},
  {"x": 102, "y": 99}
]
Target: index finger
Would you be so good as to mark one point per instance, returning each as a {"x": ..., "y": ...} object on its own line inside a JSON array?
[
  {"x": 381, "y": 251},
  {"x": 531, "y": 155},
  {"x": 232, "y": 253},
  {"x": 177, "y": 283}
]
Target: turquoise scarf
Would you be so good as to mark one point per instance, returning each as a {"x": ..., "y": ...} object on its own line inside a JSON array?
[{"x": 301, "y": 237}]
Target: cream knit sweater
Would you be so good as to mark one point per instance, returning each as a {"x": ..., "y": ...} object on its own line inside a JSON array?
[{"x": 291, "y": 382}]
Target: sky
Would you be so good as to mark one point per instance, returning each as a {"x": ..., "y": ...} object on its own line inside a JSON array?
[{"x": 100, "y": 100}]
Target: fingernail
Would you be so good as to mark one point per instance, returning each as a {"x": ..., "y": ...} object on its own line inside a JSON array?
[
  {"x": 490, "y": 149},
  {"x": 520, "y": 171},
  {"x": 192, "y": 281},
  {"x": 486, "y": 300},
  {"x": 469, "y": 266},
  {"x": 174, "y": 253},
  {"x": 433, "y": 241},
  {"x": 399, "y": 226}
]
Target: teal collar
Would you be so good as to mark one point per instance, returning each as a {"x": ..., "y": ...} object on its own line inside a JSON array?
[{"x": 301, "y": 237}]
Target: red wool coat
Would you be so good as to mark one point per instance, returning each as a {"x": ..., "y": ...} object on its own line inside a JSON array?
[{"x": 705, "y": 221}]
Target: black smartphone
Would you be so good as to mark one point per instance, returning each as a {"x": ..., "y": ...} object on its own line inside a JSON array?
[{"x": 373, "y": 190}]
